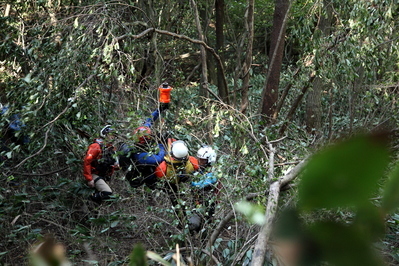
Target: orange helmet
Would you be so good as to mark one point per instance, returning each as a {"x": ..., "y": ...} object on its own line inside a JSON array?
[{"x": 142, "y": 134}]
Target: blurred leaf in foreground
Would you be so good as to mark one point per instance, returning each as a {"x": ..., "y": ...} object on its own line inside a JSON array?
[{"x": 345, "y": 174}]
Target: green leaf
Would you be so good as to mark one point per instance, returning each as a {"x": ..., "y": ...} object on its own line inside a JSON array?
[
  {"x": 390, "y": 200},
  {"x": 114, "y": 224},
  {"x": 157, "y": 258},
  {"x": 344, "y": 245},
  {"x": 138, "y": 256},
  {"x": 370, "y": 222},
  {"x": 253, "y": 212},
  {"x": 344, "y": 174}
]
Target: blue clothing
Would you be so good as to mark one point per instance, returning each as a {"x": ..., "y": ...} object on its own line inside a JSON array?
[
  {"x": 143, "y": 162},
  {"x": 146, "y": 158},
  {"x": 149, "y": 122},
  {"x": 207, "y": 180},
  {"x": 15, "y": 125}
]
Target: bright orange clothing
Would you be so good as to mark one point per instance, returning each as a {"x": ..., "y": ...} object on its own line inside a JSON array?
[
  {"x": 92, "y": 155},
  {"x": 91, "y": 164},
  {"x": 164, "y": 94}
]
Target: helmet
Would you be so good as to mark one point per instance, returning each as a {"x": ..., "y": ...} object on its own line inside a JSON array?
[
  {"x": 106, "y": 130},
  {"x": 207, "y": 153},
  {"x": 179, "y": 150},
  {"x": 143, "y": 134}
]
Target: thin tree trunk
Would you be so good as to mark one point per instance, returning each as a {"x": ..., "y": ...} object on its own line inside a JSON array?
[
  {"x": 270, "y": 91},
  {"x": 204, "y": 66},
  {"x": 222, "y": 86},
  {"x": 295, "y": 105},
  {"x": 248, "y": 57},
  {"x": 284, "y": 96},
  {"x": 354, "y": 98},
  {"x": 313, "y": 106}
]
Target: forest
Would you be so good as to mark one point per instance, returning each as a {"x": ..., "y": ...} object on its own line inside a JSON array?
[{"x": 299, "y": 99}]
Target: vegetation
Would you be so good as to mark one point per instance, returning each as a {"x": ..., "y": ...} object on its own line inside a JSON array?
[{"x": 70, "y": 67}]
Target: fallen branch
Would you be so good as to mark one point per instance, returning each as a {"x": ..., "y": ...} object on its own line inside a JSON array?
[
  {"x": 33, "y": 155},
  {"x": 283, "y": 186},
  {"x": 271, "y": 208}
]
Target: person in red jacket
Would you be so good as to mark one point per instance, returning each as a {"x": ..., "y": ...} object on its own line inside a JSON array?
[{"x": 99, "y": 164}]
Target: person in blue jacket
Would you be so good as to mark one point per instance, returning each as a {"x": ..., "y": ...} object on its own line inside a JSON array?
[
  {"x": 11, "y": 132},
  {"x": 13, "y": 128},
  {"x": 141, "y": 158}
]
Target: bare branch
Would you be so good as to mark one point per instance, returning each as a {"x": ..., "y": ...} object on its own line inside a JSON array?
[
  {"x": 39, "y": 151},
  {"x": 270, "y": 214},
  {"x": 183, "y": 37}
]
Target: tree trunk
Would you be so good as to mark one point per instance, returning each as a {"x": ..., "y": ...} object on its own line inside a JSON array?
[
  {"x": 204, "y": 66},
  {"x": 354, "y": 98},
  {"x": 222, "y": 86},
  {"x": 248, "y": 57},
  {"x": 270, "y": 91},
  {"x": 313, "y": 107},
  {"x": 295, "y": 105},
  {"x": 151, "y": 63}
]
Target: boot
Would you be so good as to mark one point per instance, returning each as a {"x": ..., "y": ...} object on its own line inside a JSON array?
[{"x": 96, "y": 197}]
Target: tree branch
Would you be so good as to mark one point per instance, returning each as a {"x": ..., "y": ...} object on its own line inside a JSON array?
[
  {"x": 271, "y": 208},
  {"x": 39, "y": 151},
  {"x": 179, "y": 36}
]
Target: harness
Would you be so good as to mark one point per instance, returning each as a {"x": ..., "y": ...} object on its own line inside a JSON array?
[{"x": 177, "y": 171}]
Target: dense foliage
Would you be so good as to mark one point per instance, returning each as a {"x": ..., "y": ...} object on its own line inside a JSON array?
[{"x": 70, "y": 67}]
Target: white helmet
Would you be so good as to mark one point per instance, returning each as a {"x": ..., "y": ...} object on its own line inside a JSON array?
[
  {"x": 106, "y": 130},
  {"x": 206, "y": 152},
  {"x": 179, "y": 150}
]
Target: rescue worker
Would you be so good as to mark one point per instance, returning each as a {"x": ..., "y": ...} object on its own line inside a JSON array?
[
  {"x": 13, "y": 128},
  {"x": 99, "y": 164},
  {"x": 141, "y": 158},
  {"x": 177, "y": 167},
  {"x": 12, "y": 131},
  {"x": 205, "y": 187}
]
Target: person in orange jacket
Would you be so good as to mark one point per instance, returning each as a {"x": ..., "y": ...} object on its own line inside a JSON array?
[
  {"x": 99, "y": 164},
  {"x": 177, "y": 167}
]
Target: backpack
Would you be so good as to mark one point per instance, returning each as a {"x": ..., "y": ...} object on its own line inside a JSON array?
[{"x": 104, "y": 164}]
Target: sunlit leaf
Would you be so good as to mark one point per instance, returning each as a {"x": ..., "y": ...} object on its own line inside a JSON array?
[
  {"x": 253, "y": 212},
  {"x": 76, "y": 23},
  {"x": 157, "y": 258},
  {"x": 114, "y": 224}
]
